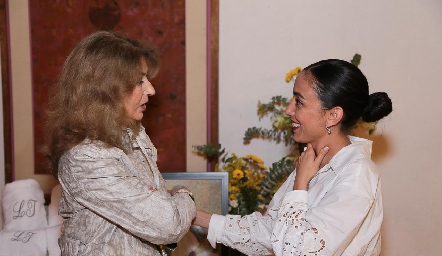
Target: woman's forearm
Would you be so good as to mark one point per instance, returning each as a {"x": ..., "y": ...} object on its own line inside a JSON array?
[{"x": 202, "y": 219}]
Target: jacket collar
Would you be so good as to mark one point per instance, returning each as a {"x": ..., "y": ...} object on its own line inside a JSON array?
[{"x": 142, "y": 140}]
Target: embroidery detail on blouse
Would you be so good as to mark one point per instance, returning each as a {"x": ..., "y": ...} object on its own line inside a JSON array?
[
  {"x": 241, "y": 226},
  {"x": 292, "y": 224}
]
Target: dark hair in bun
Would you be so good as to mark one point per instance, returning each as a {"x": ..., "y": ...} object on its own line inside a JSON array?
[
  {"x": 379, "y": 106},
  {"x": 340, "y": 83}
]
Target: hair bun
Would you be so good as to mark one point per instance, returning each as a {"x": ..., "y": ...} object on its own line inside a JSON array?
[{"x": 379, "y": 106}]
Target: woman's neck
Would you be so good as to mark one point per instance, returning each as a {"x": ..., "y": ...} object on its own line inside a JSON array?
[{"x": 335, "y": 143}]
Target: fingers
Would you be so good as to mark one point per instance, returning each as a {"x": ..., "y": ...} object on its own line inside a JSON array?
[
  {"x": 322, "y": 154},
  {"x": 309, "y": 153},
  {"x": 307, "y": 150}
]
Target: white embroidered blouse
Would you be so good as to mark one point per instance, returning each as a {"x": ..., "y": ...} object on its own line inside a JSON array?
[{"x": 340, "y": 214}]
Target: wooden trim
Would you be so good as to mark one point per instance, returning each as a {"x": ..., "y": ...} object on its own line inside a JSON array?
[
  {"x": 6, "y": 92},
  {"x": 214, "y": 38},
  {"x": 213, "y": 41}
]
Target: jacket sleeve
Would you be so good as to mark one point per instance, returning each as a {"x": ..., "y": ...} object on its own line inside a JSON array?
[
  {"x": 329, "y": 227},
  {"x": 102, "y": 182}
]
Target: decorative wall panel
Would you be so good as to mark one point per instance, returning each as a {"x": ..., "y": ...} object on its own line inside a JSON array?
[{"x": 57, "y": 25}]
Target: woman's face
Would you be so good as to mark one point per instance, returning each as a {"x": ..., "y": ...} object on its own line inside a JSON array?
[
  {"x": 135, "y": 103},
  {"x": 305, "y": 111}
]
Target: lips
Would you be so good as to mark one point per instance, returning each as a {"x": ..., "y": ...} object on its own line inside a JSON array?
[{"x": 295, "y": 126}]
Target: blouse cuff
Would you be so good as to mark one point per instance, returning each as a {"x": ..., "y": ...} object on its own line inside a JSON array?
[
  {"x": 216, "y": 225},
  {"x": 295, "y": 196}
]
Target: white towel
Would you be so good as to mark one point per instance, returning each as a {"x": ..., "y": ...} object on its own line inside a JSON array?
[
  {"x": 55, "y": 222},
  {"x": 23, "y": 206},
  {"x": 52, "y": 235},
  {"x": 53, "y": 218},
  {"x": 23, "y": 243}
]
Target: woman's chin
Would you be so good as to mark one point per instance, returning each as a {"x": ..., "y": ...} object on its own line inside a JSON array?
[{"x": 298, "y": 139}]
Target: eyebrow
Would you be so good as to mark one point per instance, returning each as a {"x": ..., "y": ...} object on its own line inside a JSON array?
[{"x": 299, "y": 95}]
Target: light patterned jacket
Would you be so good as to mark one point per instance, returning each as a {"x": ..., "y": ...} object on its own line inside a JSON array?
[{"x": 108, "y": 206}]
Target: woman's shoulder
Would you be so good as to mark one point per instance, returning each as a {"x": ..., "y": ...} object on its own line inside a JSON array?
[
  {"x": 357, "y": 153},
  {"x": 360, "y": 175},
  {"x": 93, "y": 149}
]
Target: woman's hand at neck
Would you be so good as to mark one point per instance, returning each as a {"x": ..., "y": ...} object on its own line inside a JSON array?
[
  {"x": 315, "y": 157},
  {"x": 307, "y": 166}
]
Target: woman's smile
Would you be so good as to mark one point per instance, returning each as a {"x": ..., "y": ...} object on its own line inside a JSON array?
[{"x": 295, "y": 126}]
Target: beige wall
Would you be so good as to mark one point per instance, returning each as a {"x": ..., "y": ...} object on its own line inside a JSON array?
[
  {"x": 400, "y": 42},
  {"x": 196, "y": 86}
]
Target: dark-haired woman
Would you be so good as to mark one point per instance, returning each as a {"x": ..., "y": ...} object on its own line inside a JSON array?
[
  {"x": 332, "y": 203},
  {"x": 114, "y": 200}
]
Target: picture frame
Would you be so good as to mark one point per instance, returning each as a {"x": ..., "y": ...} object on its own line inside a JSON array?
[
  {"x": 210, "y": 190},
  {"x": 205, "y": 181}
]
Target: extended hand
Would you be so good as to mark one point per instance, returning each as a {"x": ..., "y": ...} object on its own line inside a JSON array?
[
  {"x": 202, "y": 219},
  {"x": 307, "y": 166}
]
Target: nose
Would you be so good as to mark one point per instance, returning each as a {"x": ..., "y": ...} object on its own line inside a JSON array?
[
  {"x": 290, "y": 109},
  {"x": 150, "y": 90}
]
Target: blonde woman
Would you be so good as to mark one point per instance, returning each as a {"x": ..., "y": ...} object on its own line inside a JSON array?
[{"x": 114, "y": 200}]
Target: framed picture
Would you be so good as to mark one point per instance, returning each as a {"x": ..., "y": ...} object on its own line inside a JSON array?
[{"x": 210, "y": 190}]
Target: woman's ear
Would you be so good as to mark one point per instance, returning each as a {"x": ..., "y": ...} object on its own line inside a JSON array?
[{"x": 334, "y": 116}]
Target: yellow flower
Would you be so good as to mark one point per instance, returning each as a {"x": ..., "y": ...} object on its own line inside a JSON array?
[
  {"x": 238, "y": 174},
  {"x": 233, "y": 197},
  {"x": 247, "y": 173},
  {"x": 294, "y": 72},
  {"x": 233, "y": 189},
  {"x": 254, "y": 158}
]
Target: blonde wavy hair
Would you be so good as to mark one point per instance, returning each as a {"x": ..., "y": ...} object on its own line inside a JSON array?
[{"x": 87, "y": 101}]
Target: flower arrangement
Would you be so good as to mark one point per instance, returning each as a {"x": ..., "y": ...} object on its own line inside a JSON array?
[
  {"x": 251, "y": 184},
  {"x": 245, "y": 177}
]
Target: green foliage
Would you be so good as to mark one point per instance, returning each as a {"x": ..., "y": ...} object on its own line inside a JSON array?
[
  {"x": 247, "y": 200},
  {"x": 356, "y": 59},
  {"x": 263, "y": 133},
  {"x": 209, "y": 150},
  {"x": 276, "y": 106},
  {"x": 277, "y": 174},
  {"x": 281, "y": 123}
]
